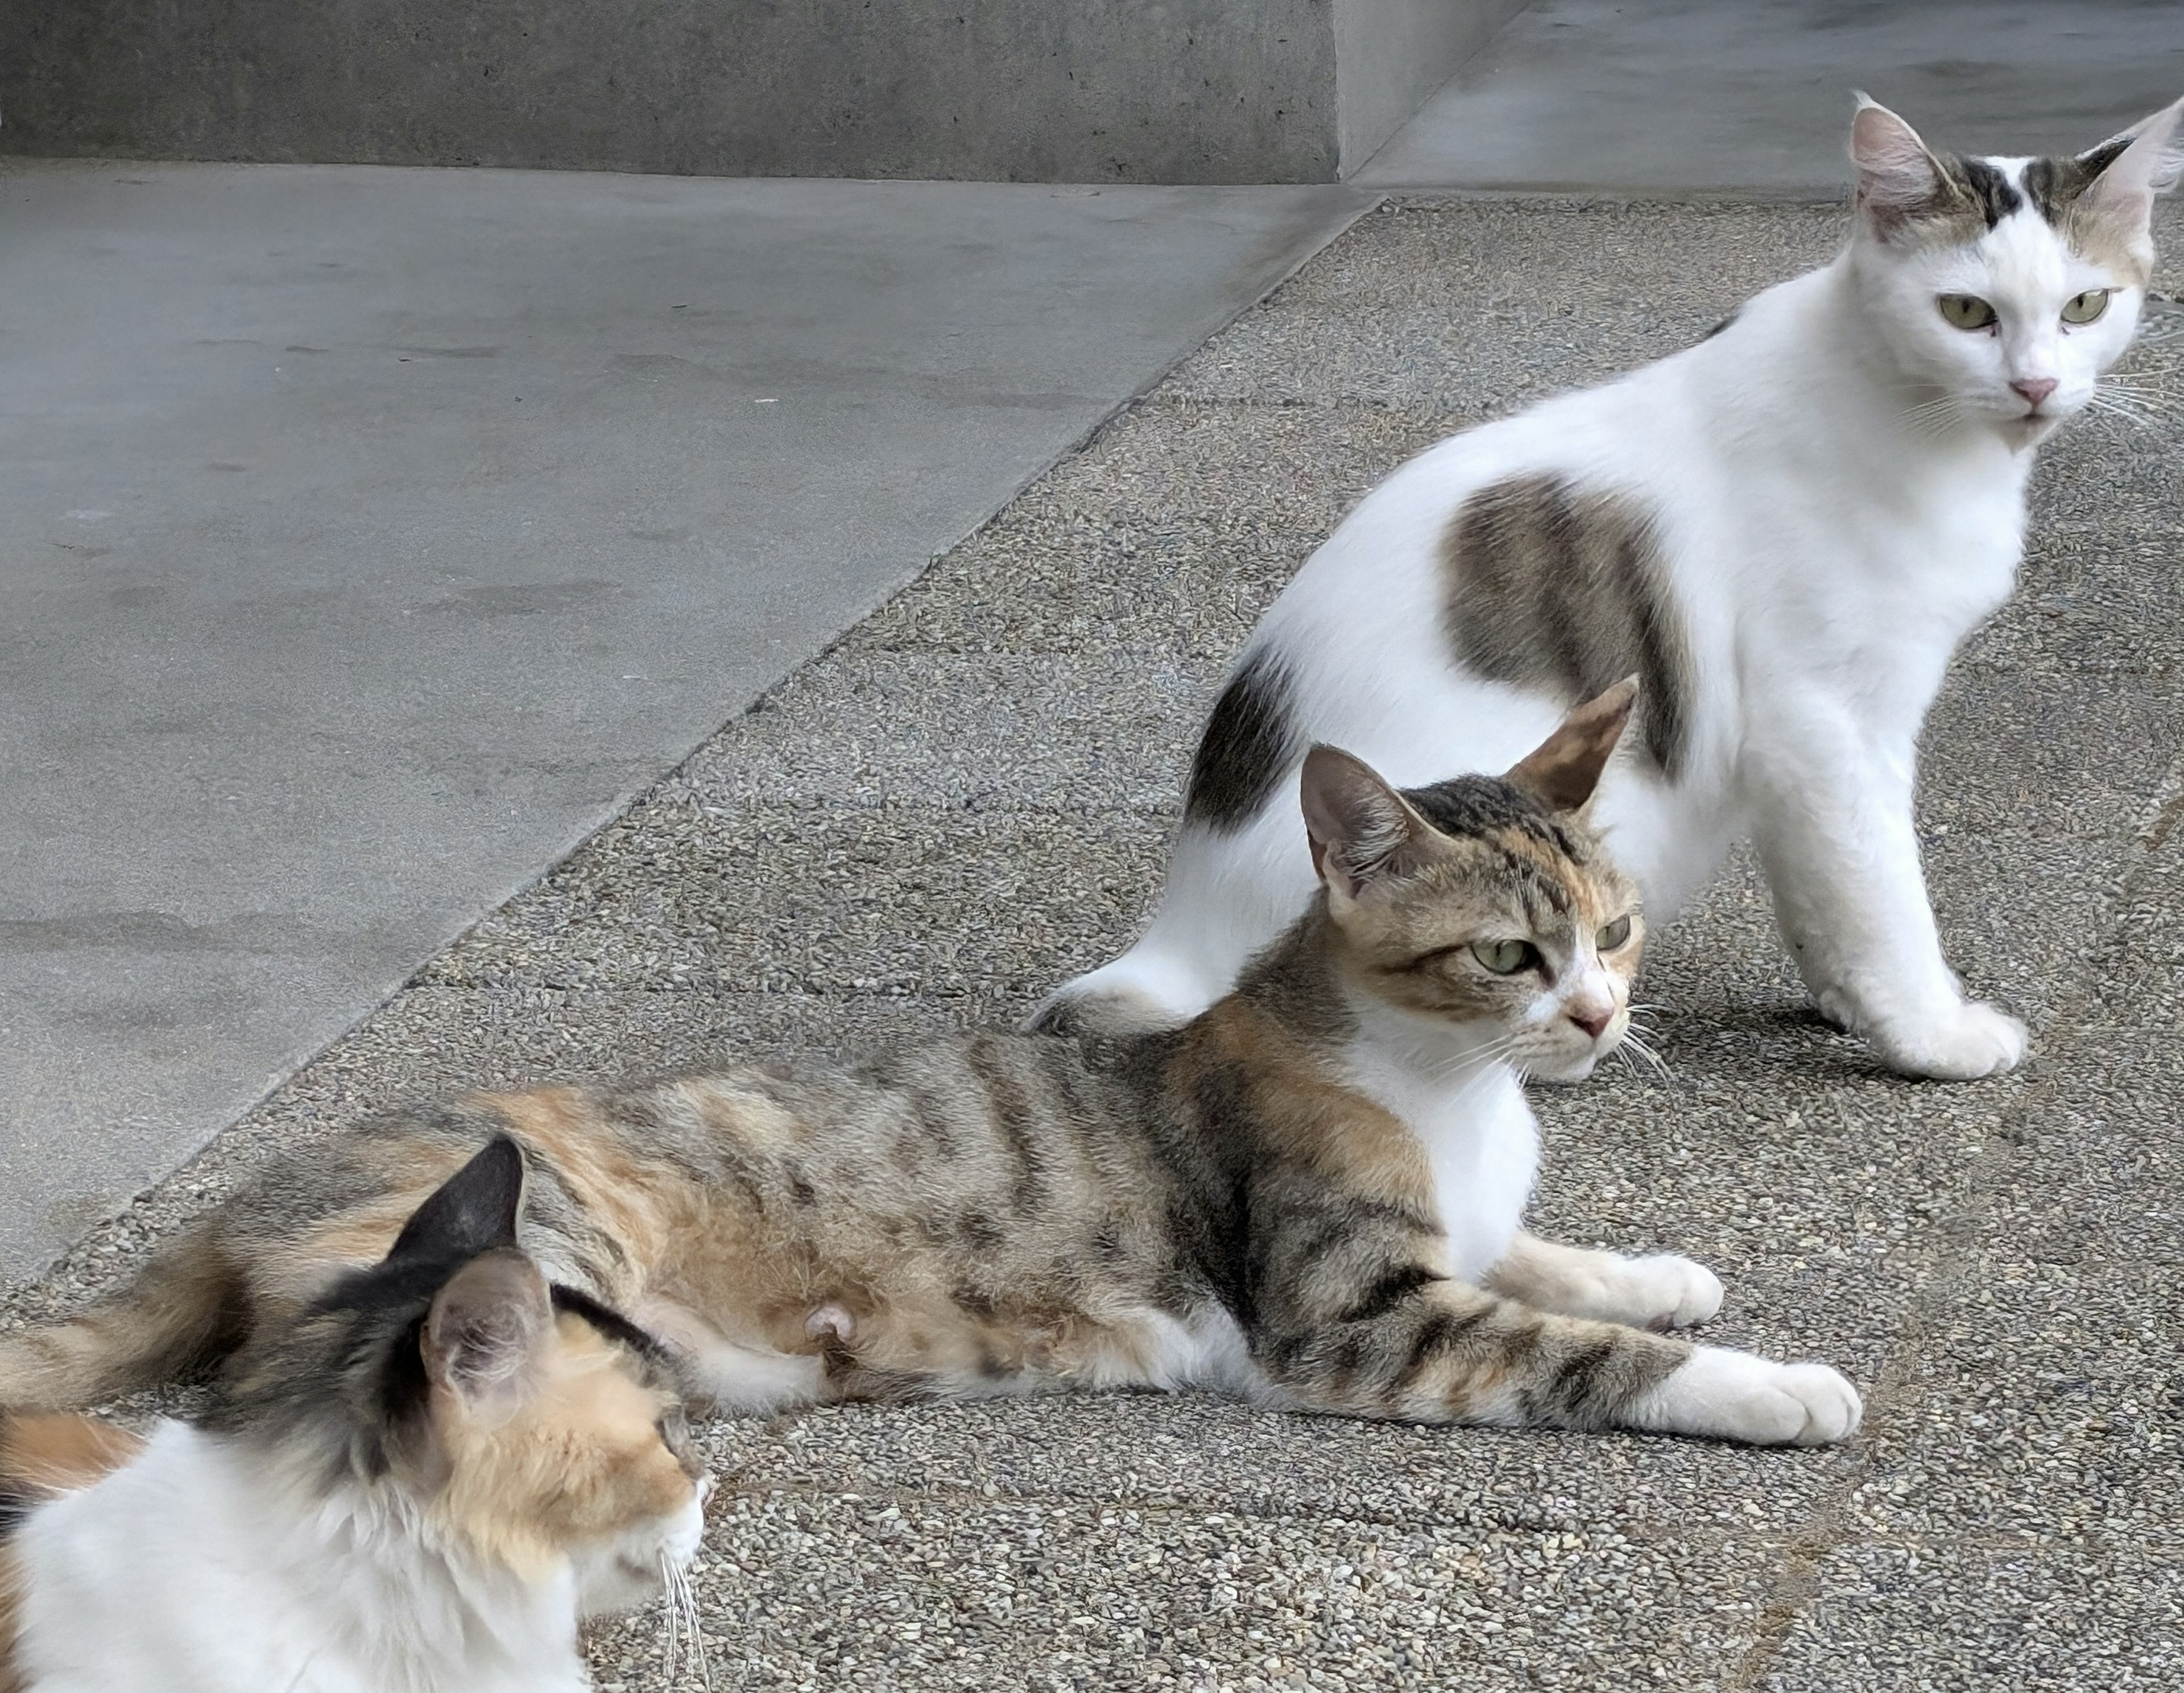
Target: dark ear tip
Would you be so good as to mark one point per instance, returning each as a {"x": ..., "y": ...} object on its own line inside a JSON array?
[
  {"x": 1325, "y": 763},
  {"x": 474, "y": 1209},
  {"x": 501, "y": 1157}
]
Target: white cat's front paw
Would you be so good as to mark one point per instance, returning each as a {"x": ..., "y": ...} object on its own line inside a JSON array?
[
  {"x": 1736, "y": 1396},
  {"x": 1971, "y": 1039},
  {"x": 1665, "y": 1291}
]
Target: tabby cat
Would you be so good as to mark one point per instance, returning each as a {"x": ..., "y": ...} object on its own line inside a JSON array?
[
  {"x": 1785, "y": 529},
  {"x": 1310, "y": 1195},
  {"x": 414, "y": 1483}
]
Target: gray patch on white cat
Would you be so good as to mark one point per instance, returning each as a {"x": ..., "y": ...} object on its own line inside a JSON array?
[
  {"x": 1969, "y": 197},
  {"x": 2054, "y": 185},
  {"x": 1551, "y": 587},
  {"x": 1249, "y": 741},
  {"x": 2057, "y": 188}
]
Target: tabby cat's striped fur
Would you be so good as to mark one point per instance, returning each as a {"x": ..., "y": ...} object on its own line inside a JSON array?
[{"x": 1310, "y": 1195}]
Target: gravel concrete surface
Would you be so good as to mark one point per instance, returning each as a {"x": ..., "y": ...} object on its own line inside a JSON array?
[{"x": 966, "y": 798}]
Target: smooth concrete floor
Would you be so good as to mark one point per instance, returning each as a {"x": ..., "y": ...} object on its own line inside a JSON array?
[
  {"x": 369, "y": 537},
  {"x": 1733, "y": 97}
]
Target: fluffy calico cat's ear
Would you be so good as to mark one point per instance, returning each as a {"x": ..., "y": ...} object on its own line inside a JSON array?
[
  {"x": 1899, "y": 179},
  {"x": 1565, "y": 768},
  {"x": 487, "y": 1325},
  {"x": 1361, "y": 828},
  {"x": 2127, "y": 171},
  {"x": 474, "y": 1211}
]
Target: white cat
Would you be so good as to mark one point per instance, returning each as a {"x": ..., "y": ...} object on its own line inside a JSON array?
[{"x": 1784, "y": 532}]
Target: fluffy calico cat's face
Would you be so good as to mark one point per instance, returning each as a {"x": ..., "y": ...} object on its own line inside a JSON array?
[
  {"x": 562, "y": 1436},
  {"x": 1487, "y": 903},
  {"x": 2005, "y": 287},
  {"x": 538, "y": 1432}
]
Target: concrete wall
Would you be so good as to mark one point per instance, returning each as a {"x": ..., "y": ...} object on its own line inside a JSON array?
[
  {"x": 1391, "y": 55},
  {"x": 1128, "y": 91}
]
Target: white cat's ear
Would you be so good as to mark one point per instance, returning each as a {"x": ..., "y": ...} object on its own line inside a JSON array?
[
  {"x": 1360, "y": 828},
  {"x": 2129, "y": 169},
  {"x": 487, "y": 1328},
  {"x": 1565, "y": 768},
  {"x": 1899, "y": 178}
]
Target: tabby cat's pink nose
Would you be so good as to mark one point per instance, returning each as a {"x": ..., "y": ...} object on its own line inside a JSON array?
[
  {"x": 2035, "y": 390},
  {"x": 1594, "y": 1023}
]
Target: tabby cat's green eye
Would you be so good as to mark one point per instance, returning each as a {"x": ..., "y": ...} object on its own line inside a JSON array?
[
  {"x": 1613, "y": 935},
  {"x": 2086, "y": 307},
  {"x": 1966, "y": 311},
  {"x": 1503, "y": 957}
]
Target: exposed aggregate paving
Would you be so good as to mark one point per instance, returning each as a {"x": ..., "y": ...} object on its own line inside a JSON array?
[{"x": 967, "y": 797}]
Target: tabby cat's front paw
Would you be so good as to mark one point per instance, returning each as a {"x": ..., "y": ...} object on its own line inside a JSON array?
[
  {"x": 1665, "y": 1291},
  {"x": 1736, "y": 1396},
  {"x": 1969, "y": 1040}
]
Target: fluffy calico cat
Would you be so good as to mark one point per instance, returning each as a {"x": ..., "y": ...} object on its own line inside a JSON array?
[
  {"x": 1310, "y": 1195},
  {"x": 416, "y": 1482},
  {"x": 1786, "y": 531}
]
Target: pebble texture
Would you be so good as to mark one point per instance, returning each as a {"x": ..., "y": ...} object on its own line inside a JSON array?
[{"x": 967, "y": 797}]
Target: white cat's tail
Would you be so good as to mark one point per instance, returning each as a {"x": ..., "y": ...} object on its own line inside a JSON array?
[
  {"x": 1229, "y": 892},
  {"x": 1136, "y": 993}
]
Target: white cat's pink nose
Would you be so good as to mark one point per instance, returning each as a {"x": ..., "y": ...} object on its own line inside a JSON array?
[{"x": 2034, "y": 389}]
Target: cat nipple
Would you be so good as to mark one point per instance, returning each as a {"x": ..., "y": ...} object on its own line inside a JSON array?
[{"x": 829, "y": 1321}]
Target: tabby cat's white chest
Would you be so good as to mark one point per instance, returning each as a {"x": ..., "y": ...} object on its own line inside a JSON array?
[{"x": 1481, "y": 1143}]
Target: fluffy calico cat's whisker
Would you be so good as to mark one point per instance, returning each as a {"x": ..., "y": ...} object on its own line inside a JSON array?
[
  {"x": 683, "y": 1651},
  {"x": 684, "y": 1648}
]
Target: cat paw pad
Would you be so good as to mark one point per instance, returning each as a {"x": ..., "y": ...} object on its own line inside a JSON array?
[
  {"x": 1736, "y": 1396},
  {"x": 1971, "y": 1040},
  {"x": 1667, "y": 1291}
]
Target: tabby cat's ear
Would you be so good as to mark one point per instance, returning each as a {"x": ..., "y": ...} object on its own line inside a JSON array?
[
  {"x": 474, "y": 1211},
  {"x": 1361, "y": 828},
  {"x": 1565, "y": 768},
  {"x": 486, "y": 1327}
]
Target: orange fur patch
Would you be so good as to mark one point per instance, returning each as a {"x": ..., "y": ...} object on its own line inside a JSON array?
[{"x": 579, "y": 1458}]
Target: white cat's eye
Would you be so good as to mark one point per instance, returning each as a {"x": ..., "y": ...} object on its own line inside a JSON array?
[
  {"x": 2086, "y": 307},
  {"x": 1503, "y": 957},
  {"x": 1609, "y": 938},
  {"x": 1966, "y": 311}
]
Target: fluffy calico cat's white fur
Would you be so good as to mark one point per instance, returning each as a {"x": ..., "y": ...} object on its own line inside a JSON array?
[
  {"x": 193, "y": 1570},
  {"x": 1837, "y": 480},
  {"x": 534, "y": 1472}
]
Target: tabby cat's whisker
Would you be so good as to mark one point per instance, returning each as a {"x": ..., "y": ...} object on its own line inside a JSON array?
[{"x": 1638, "y": 1045}]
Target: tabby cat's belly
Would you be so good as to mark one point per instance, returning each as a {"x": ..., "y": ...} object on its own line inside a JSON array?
[{"x": 939, "y": 1349}]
